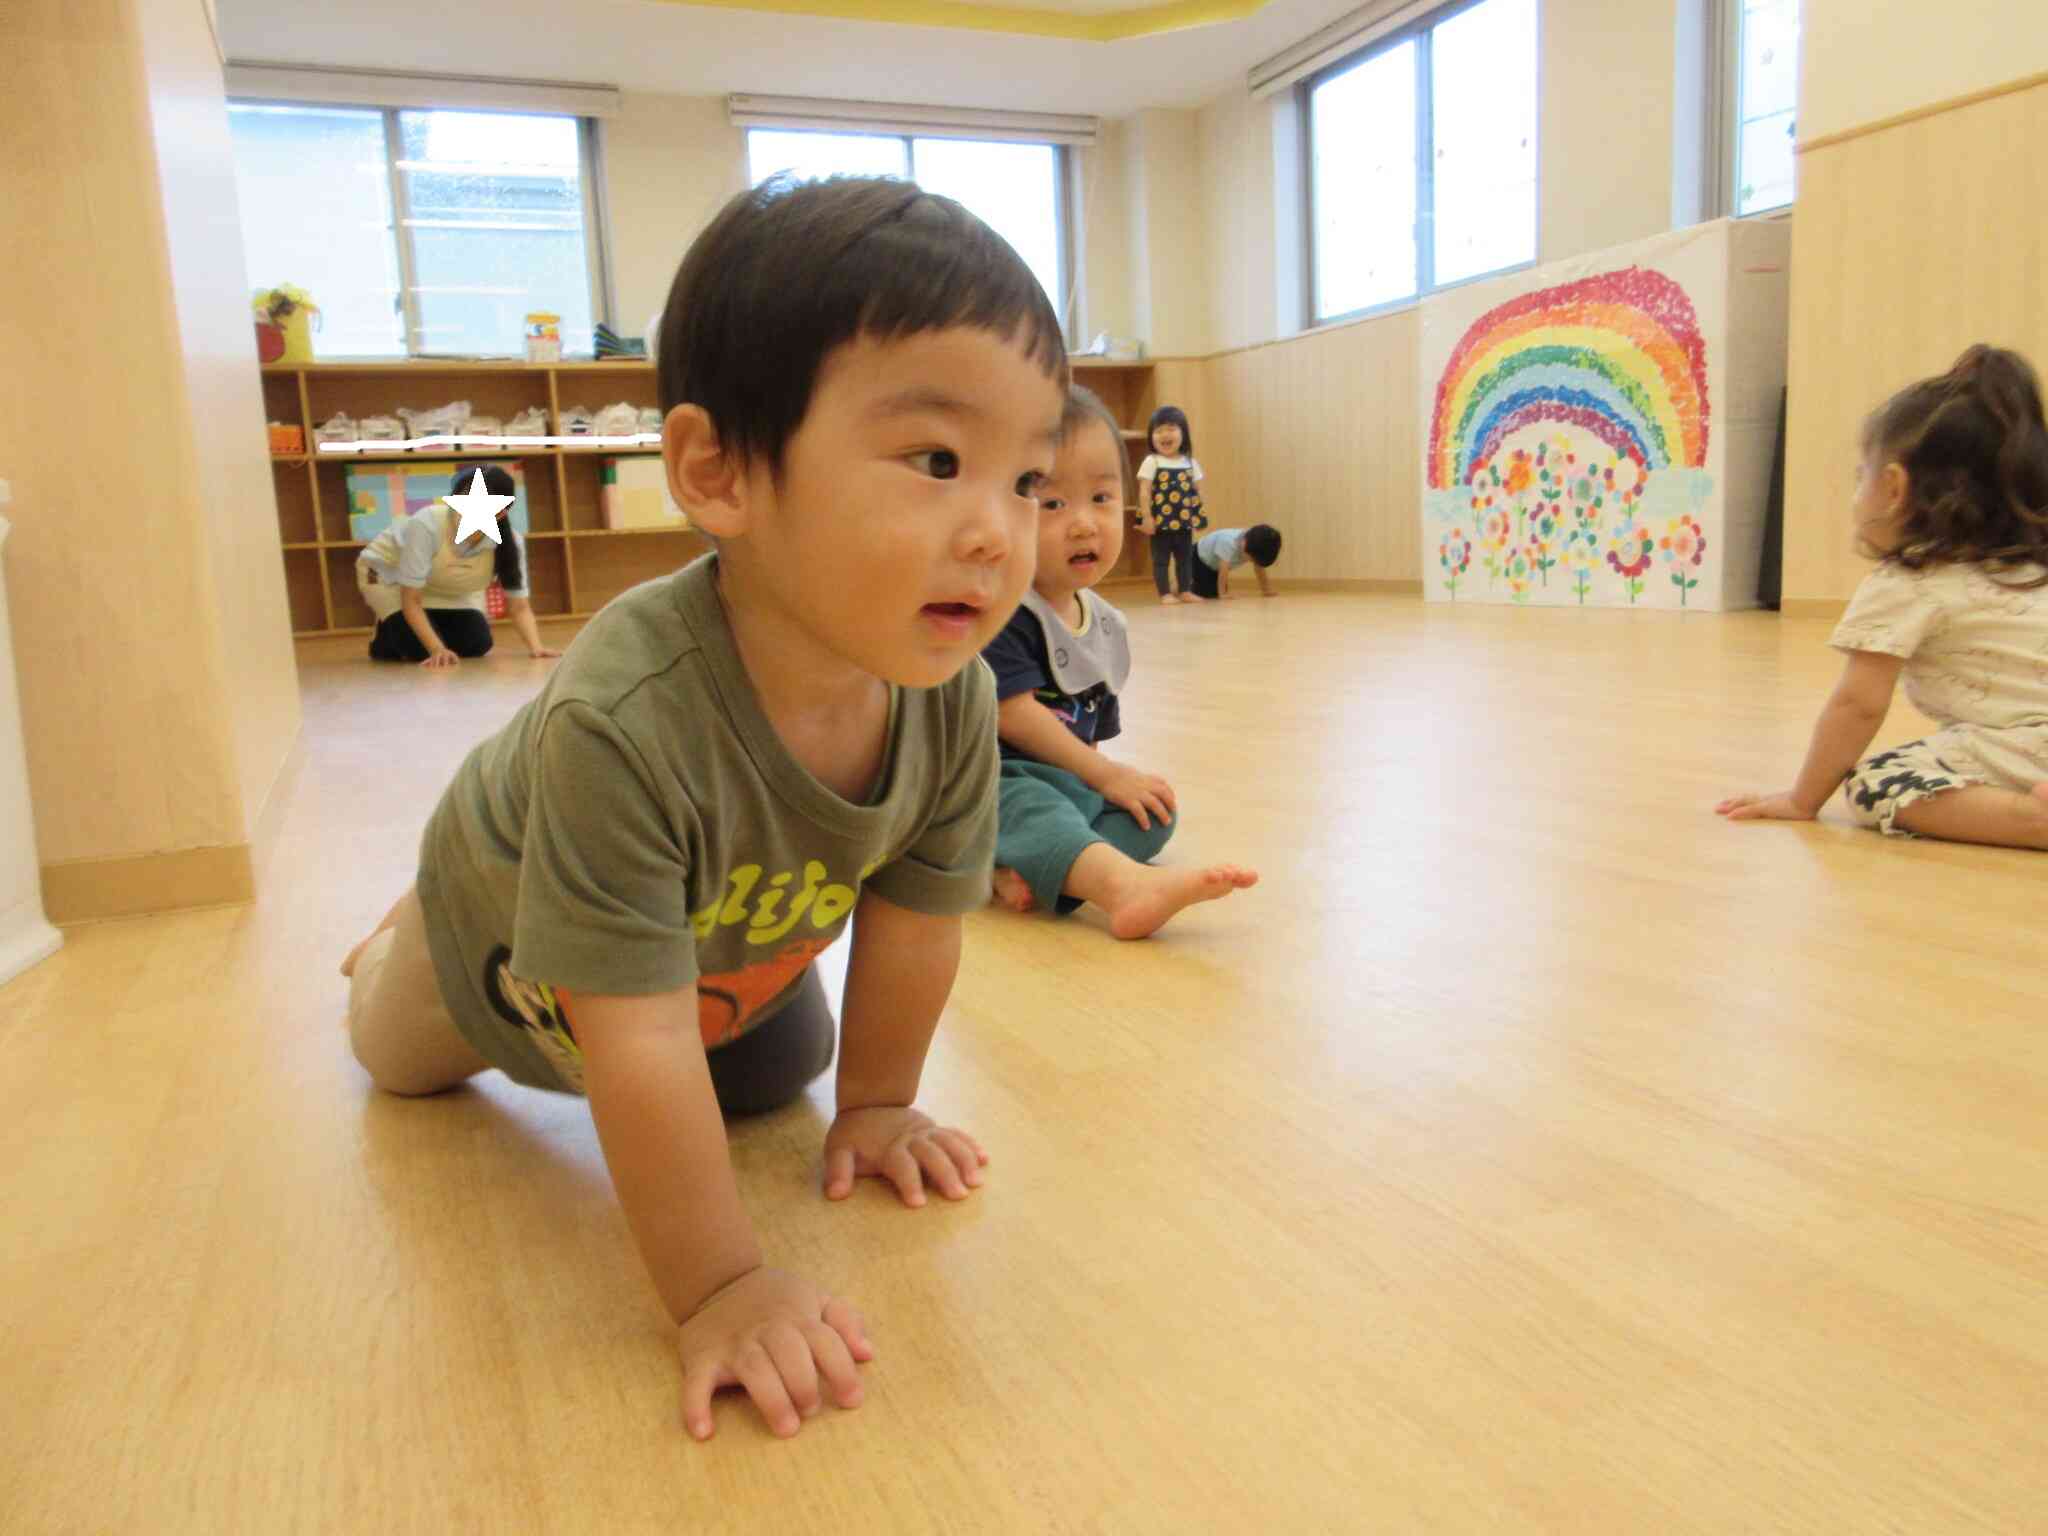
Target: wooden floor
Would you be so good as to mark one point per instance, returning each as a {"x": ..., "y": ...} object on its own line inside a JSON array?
[{"x": 1529, "y": 1151}]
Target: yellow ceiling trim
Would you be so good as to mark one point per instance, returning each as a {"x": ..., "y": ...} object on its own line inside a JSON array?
[{"x": 1102, "y": 27}]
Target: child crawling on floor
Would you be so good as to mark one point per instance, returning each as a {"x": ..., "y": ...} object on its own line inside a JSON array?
[{"x": 1074, "y": 825}]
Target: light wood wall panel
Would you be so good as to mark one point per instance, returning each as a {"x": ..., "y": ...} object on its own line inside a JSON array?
[
  {"x": 1319, "y": 436},
  {"x": 233, "y": 482},
  {"x": 1910, "y": 243},
  {"x": 151, "y": 633}
]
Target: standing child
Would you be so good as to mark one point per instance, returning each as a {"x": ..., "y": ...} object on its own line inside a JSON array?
[
  {"x": 1075, "y": 825},
  {"x": 1952, "y": 497},
  {"x": 623, "y": 892},
  {"x": 1225, "y": 550},
  {"x": 1170, "y": 501}
]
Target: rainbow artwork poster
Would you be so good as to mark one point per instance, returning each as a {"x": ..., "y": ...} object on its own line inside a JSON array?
[{"x": 1574, "y": 425}]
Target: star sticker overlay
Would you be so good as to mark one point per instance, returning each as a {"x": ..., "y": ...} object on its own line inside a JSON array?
[{"x": 478, "y": 510}]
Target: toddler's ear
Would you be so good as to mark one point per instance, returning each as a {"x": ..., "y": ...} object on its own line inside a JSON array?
[
  {"x": 705, "y": 481},
  {"x": 1896, "y": 483}
]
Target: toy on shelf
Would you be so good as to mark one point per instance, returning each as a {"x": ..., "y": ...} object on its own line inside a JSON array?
[
  {"x": 290, "y": 312},
  {"x": 286, "y": 440},
  {"x": 543, "y": 337}
]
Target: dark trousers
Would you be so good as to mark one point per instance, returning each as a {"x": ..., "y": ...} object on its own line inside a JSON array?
[
  {"x": 1177, "y": 548},
  {"x": 774, "y": 1062},
  {"x": 463, "y": 630},
  {"x": 1205, "y": 579}
]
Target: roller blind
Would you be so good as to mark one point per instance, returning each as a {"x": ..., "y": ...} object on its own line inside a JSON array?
[
  {"x": 1345, "y": 35},
  {"x": 920, "y": 122},
  {"x": 256, "y": 81}
]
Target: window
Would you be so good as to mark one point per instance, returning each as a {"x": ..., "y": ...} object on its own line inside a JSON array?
[
  {"x": 1422, "y": 159},
  {"x": 420, "y": 232},
  {"x": 1766, "y": 104},
  {"x": 1016, "y": 189}
]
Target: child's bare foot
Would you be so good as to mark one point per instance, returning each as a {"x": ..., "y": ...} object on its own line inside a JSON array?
[
  {"x": 1169, "y": 599},
  {"x": 1013, "y": 891},
  {"x": 1151, "y": 896}
]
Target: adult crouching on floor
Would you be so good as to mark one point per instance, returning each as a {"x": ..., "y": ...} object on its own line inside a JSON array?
[{"x": 427, "y": 589}]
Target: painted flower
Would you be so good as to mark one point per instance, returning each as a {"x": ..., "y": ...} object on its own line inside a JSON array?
[
  {"x": 1517, "y": 572},
  {"x": 1455, "y": 553},
  {"x": 1636, "y": 544},
  {"x": 1521, "y": 473},
  {"x": 1683, "y": 543},
  {"x": 1499, "y": 529}
]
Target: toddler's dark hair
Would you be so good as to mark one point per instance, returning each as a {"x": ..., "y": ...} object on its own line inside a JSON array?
[
  {"x": 1974, "y": 446},
  {"x": 1083, "y": 406},
  {"x": 1262, "y": 543},
  {"x": 497, "y": 481},
  {"x": 1171, "y": 416},
  {"x": 790, "y": 270}
]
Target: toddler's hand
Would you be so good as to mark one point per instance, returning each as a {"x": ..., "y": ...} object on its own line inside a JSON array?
[
  {"x": 442, "y": 659},
  {"x": 1144, "y": 795},
  {"x": 1762, "y": 808},
  {"x": 903, "y": 1146},
  {"x": 774, "y": 1334}
]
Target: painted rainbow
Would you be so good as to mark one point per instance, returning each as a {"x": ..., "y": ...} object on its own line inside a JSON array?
[{"x": 1619, "y": 355}]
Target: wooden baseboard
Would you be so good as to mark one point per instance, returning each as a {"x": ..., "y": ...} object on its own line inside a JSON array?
[
  {"x": 92, "y": 890},
  {"x": 1829, "y": 608}
]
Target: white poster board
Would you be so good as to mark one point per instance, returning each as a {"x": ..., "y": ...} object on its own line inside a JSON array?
[{"x": 1598, "y": 432}]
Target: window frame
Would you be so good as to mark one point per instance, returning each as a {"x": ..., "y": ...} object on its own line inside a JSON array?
[
  {"x": 1063, "y": 199},
  {"x": 596, "y": 236},
  {"x": 1418, "y": 30},
  {"x": 1730, "y": 23}
]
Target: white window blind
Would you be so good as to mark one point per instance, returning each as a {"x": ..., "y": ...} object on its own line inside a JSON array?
[{"x": 887, "y": 118}]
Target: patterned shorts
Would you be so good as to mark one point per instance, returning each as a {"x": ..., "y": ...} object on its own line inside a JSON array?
[{"x": 1957, "y": 758}]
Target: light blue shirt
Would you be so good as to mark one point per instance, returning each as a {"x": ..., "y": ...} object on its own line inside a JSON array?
[
  {"x": 1223, "y": 547},
  {"x": 419, "y": 539}
]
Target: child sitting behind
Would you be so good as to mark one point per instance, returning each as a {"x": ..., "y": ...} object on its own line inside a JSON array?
[
  {"x": 624, "y": 891},
  {"x": 1219, "y": 553},
  {"x": 1952, "y": 497},
  {"x": 1075, "y": 825}
]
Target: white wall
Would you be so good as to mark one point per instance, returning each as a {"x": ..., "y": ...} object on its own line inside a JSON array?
[
  {"x": 670, "y": 162},
  {"x": 1605, "y": 138},
  {"x": 1866, "y": 60},
  {"x": 1105, "y": 234}
]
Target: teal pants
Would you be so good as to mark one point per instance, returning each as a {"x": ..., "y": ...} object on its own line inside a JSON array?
[{"x": 1046, "y": 818}]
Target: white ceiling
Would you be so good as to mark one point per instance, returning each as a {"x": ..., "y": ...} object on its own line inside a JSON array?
[{"x": 696, "y": 50}]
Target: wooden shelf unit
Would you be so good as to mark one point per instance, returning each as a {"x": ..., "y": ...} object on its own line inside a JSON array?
[
  {"x": 577, "y": 565},
  {"x": 1130, "y": 390}
]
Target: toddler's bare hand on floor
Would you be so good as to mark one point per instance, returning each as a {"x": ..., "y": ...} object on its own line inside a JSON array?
[
  {"x": 779, "y": 1337},
  {"x": 1762, "y": 808},
  {"x": 904, "y": 1146},
  {"x": 1144, "y": 795}
]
